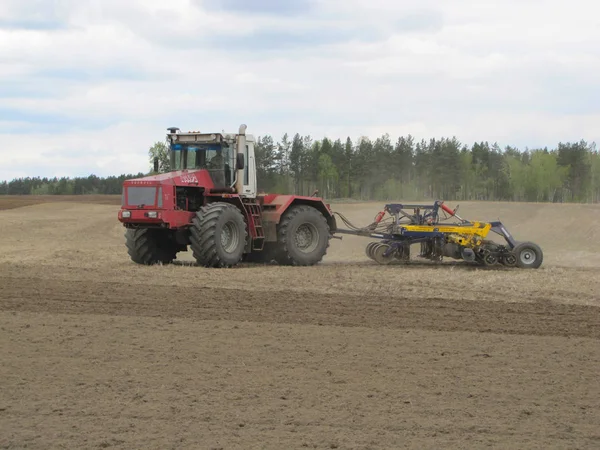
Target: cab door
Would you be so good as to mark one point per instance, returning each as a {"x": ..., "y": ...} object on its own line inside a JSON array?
[{"x": 249, "y": 187}]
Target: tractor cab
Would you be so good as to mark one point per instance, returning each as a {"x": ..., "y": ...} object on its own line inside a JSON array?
[{"x": 228, "y": 158}]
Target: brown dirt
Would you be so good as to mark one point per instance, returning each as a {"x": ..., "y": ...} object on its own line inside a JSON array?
[
  {"x": 98, "y": 352},
  {"x": 18, "y": 201}
]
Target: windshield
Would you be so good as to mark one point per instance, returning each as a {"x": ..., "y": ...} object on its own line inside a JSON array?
[
  {"x": 215, "y": 158},
  {"x": 199, "y": 156}
]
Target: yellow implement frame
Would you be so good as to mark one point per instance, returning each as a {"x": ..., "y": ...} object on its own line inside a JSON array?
[
  {"x": 468, "y": 235},
  {"x": 480, "y": 229}
]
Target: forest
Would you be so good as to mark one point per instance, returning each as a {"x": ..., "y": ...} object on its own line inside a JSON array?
[{"x": 381, "y": 169}]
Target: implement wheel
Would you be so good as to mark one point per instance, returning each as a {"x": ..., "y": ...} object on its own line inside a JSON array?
[
  {"x": 374, "y": 248},
  {"x": 374, "y": 245},
  {"x": 380, "y": 258},
  {"x": 528, "y": 255},
  {"x": 369, "y": 248},
  {"x": 490, "y": 259},
  {"x": 509, "y": 260}
]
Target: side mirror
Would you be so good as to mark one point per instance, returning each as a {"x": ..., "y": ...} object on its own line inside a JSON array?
[
  {"x": 155, "y": 164},
  {"x": 239, "y": 161}
]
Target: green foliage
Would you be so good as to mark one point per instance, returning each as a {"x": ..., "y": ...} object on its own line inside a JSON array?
[
  {"x": 65, "y": 186},
  {"x": 161, "y": 151},
  {"x": 438, "y": 168},
  {"x": 328, "y": 175}
]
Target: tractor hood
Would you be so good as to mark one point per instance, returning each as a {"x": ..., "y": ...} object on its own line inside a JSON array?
[
  {"x": 158, "y": 191},
  {"x": 192, "y": 178}
]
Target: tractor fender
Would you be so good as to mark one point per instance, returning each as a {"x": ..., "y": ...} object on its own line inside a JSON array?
[{"x": 274, "y": 206}]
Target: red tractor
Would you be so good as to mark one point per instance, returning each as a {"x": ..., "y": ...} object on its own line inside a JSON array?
[{"x": 208, "y": 202}]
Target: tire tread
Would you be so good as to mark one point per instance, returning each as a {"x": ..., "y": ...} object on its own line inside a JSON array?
[
  {"x": 203, "y": 239},
  {"x": 283, "y": 255},
  {"x": 143, "y": 247}
]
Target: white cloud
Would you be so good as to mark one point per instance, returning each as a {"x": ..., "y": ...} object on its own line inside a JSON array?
[
  {"x": 99, "y": 82},
  {"x": 110, "y": 151}
]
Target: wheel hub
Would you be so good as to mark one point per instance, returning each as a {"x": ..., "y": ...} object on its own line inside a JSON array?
[
  {"x": 229, "y": 237},
  {"x": 490, "y": 259},
  {"x": 306, "y": 238},
  {"x": 509, "y": 260},
  {"x": 527, "y": 256}
]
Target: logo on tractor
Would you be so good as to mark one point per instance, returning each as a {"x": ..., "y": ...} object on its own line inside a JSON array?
[{"x": 189, "y": 179}]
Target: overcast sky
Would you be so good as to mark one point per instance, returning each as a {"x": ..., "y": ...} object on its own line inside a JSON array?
[{"x": 86, "y": 86}]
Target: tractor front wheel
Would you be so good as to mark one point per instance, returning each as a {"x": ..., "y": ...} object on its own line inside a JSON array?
[
  {"x": 150, "y": 246},
  {"x": 218, "y": 235},
  {"x": 302, "y": 236}
]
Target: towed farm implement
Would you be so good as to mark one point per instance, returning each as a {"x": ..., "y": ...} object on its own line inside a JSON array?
[
  {"x": 438, "y": 237},
  {"x": 207, "y": 202}
]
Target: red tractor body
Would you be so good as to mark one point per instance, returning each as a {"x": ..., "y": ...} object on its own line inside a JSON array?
[{"x": 200, "y": 208}]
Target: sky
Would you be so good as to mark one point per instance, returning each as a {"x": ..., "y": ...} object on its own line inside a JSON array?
[{"x": 87, "y": 86}]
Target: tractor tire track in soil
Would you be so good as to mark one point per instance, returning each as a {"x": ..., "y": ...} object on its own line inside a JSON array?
[{"x": 87, "y": 297}]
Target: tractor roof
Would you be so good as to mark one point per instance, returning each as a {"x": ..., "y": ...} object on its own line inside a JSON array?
[
  {"x": 175, "y": 135},
  {"x": 196, "y": 136}
]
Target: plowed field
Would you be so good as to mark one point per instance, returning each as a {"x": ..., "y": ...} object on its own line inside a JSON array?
[{"x": 97, "y": 352}]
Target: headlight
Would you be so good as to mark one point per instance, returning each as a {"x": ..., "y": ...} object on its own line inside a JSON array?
[
  {"x": 126, "y": 214},
  {"x": 152, "y": 214}
]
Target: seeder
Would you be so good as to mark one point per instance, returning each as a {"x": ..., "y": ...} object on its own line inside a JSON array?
[{"x": 461, "y": 239}]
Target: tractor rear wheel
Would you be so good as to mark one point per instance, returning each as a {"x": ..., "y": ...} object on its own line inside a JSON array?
[
  {"x": 302, "y": 236},
  {"x": 218, "y": 235},
  {"x": 529, "y": 255},
  {"x": 150, "y": 246}
]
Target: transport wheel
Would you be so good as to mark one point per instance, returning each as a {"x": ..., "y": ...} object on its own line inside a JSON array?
[
  {"x": 378, "y": 255},
  {"x": 302, "y": 236},
  {"x": 528, "y": 255},
  {"x": 150, "y": 246},
  {"x": 218, "y": 235}
]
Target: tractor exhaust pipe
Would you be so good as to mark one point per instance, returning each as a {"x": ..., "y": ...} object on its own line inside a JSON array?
[{"x": 240, "y": 162}]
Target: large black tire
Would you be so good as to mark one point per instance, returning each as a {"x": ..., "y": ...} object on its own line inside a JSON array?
[
  {"x": 302, "y": 236},
  {"x": 218, "y": 235},
  {"x": 149, "y": 246},
  {"x": 529, "y": 255}
]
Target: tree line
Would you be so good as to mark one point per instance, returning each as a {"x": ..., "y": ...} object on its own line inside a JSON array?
[
  {"x": 66, "y": 186},
  {"x": 384, "y": 170},
  {"x": 428, "y": 169}
]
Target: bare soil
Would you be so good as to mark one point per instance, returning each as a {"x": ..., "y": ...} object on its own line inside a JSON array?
[
  {"x": 18, "y": 201},
  {"x": 98, "y": 352}
]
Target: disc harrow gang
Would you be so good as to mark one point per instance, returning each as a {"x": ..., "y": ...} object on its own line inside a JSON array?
[{"x": 429, "y": 226}]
